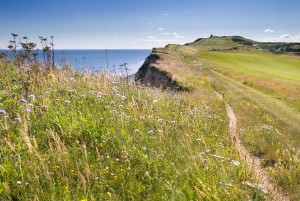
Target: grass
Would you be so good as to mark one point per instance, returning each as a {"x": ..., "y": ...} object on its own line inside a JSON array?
[
  {"x": 92, "y": 137},
  {"x": 260, "y": 115},
  {"x": 259, "y": 86},
  {"x": 278, "y": 140},
  {"x": 275, "y": 75}
]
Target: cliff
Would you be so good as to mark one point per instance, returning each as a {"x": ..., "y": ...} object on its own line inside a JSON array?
[{"x": 152, "y": 71}]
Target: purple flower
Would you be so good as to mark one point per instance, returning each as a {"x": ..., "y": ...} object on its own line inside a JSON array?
[
  {"x": 2, "y": 112},
  {"x": 23, "y": 100},
  {"x": 27, "y": 110},
  {"x": 31, "y": 96}
]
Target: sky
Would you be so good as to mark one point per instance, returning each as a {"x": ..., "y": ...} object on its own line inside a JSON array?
[{"x": 144, "y": 24}]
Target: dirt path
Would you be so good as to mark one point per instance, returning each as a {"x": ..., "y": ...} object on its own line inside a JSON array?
[{"x": 275, "y": 193}]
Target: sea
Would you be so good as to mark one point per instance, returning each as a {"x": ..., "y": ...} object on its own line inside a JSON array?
[{"x": 100, "y": 59}]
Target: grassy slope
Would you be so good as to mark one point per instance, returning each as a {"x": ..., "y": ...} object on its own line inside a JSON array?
[
  {"x": 264, "y": 91},
  {"x": 125, "y": 143},
  {"x": 265, "y": 65},
  {"x": 251, "y": 82}
]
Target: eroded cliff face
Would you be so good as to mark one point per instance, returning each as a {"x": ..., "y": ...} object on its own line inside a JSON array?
[{"x": 151, "y": 73}]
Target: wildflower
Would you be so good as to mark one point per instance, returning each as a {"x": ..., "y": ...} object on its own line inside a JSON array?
[
  {"x": 235, "y": 163},
  {"x": 23, "y": 67},
  {"x": 2, "y": 112},
  {"x": 136, "y": 130},
  {"x": 120, "y": 106},
  {"x": 146, "y": 174},
  {"x": 67, "y": 101},
  {"x": 150, "y": 116},
  {"x": 115, "y": 88},
  {"x": 18, "y": 119},
  {"x": 127, "y": 117},
  {"x": 99, "y": 94},
  {"x": 23, "y": 100},
  {"x": 198, "y": 139},
  {"x": 27, "y": 110},
  {"x": 6, "y": 117},
  {"x": 173, "y": 122},
  {"x": 115, "y": 111},
  {"x": 107, "y": 107},
  {"x": 31, "y": 96},
  {"x": 123, "y": 97},
  {"x": 112, "y": 103},
  {"x": 142, "y": 117},
  {"x": 47, "y": 92},
  {"x": 30, "y": 105},
  {"x": 159, "y": 120},
  {"x": 72, "y": 90},
  {"x": 27, "y": 69},
  {"x": 159, "y": 131},
  {"x": 150, "y": 132},
  {"x": 155, "y": 101},
  {"x": 101, "y": 118},
  {"x": 19, "y": 182},
  {"x": 217, "y": 156},
  {"x": 44, "y": 107}
]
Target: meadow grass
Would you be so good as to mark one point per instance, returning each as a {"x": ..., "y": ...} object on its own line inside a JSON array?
[
  {"x": 275, "y": 75},
  {"x": 92, "y": 137},
  {"x": 268, "y": 128}
]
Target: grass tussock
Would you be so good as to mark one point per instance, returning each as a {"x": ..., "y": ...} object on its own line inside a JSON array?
[{"x": 73, "y": 136}]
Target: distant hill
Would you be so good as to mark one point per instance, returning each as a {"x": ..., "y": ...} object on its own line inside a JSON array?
[{"x": 231, "y": 43}]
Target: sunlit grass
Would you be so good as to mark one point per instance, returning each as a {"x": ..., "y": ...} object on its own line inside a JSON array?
[
  {"x": 275, "y": 75},
  {"x": 92, "y": 137}
]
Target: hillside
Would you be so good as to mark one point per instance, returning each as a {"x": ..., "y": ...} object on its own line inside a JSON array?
[
  {"x": 261, "y": 85},
  {"x": 67, "y": 135},
  {"x": 231, "y": 43}
]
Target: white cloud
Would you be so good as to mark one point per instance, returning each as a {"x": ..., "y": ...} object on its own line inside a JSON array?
[
  {"x": 286, "y": 36},
  {"x": 283, "y": 38},
  {"x": 166, "y": 14},
  {"x": 176, "y": 35},
  {"x": 166, "y": 33},
  {"x": 160, "y": 29},
  {"x": 151, "y": 37},
  {"x": 268, "y": 31}
]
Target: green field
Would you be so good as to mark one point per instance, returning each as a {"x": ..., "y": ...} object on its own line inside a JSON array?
[
  {"x": 266, "y": 65},
  {"x": 275, "y": 75}
]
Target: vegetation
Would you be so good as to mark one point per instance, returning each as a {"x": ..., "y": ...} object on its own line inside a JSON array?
[
  {"x": 93, "y": 137},
  {"x": 263, "y": 89}
]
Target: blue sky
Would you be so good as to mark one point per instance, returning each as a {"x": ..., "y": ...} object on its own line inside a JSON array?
[{"x": 129, "y": 24}]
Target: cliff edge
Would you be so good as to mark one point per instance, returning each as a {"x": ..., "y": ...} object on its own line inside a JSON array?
[{"x": 153, "y": 72}]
